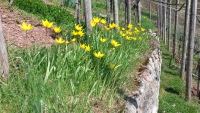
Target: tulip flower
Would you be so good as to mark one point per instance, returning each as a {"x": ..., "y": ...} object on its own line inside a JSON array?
[
  {"x": 82, "y": 46},
  {"x": 134, "y": 38},
  {"x": 96, "y": 20},
  {"x": 78, "y": 27},
  {"x": 57, "y": 29},
  {"x": 74, "y": 40},
  {"x": 115, "y": 43},
  {"x": 130, "y": 26},
  {"x": 142, "y": 29},
  {"x": 74, "y": 33},
  {"x": 103, "y": 21},
  {"x": 67, "y": 42},
  {"x": 47, "y": 24},
  {"x": 59, "y": 40},
  {"x": 93, "y": 24},
  {"x": 81, "y": 33},
  {"x": 25, "y": 27},
  {"x": 88, "y": 48},
  {"x": 98, "y": 54},
  {"x": 102, "y": 39}
]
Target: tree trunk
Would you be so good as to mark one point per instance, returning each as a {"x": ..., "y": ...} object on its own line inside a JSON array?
[
  {"x": 185, "y": 38},
  {"x": 108, "y": 10},
  {"x": 88, "y": 15},
  {"x": 161, "y": 20},
  {"x": 116, "y": 18},
  {"x": 150, "y": 9},
  {"x": 175, "y": 30},
  {"x": 4, "y": 66},
  {"x": 78, "y": 11},
  {"x": 139, "y": 11},
  {"x": 164, "y": 23},
  {"x": 193, "y": 13},
  {"x": 62, "y": 2},
  {"x": 169, "y": 25},
  {"x": 125, "y": 13},
  {"x": 11, "y": 2},
  {"x": 129, "y": 12},
  {"x": 158, "y": 18},
  {"x": 198, "y": 73}
]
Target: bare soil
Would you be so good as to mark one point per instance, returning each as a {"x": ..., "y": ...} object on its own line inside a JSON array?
[{"x": 12, "y": 18}]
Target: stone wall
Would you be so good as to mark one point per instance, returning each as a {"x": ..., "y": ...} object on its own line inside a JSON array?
[{"x": 145, "y": 98}]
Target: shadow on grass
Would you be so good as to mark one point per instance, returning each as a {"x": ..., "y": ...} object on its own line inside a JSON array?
[
  {"x": 131, "y": 100},
  {"x": 170, "y": 72},
  {"x": 166, "y": 54},
  {"x": 172, "y": 90}
]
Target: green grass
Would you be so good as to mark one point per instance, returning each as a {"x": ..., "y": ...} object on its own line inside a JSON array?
[
  {"x": 172, "y": 89},
  {"x": 59, "y": 78},
  {"x": 66, "y": 78}
]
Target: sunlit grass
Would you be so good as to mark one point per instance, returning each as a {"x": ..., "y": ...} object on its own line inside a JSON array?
[{"x": 172, "y": 89}]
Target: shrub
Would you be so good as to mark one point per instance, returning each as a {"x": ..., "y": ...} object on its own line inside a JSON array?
[{"x": 45, "y": 11}]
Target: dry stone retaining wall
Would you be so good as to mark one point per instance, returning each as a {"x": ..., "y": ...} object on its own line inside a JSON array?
[{"x": 145, "y": 98}]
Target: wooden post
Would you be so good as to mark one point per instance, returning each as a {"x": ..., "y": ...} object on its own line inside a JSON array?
[
  {"x": 88, "y": 15},
  {"x": 115, "y": 14},
  {"x": 175, "y": 30},
  {"x": 185, "y": 38},
  {"x": 169, "y": 24},
  {"x": 192, "y": 29},
  {"x": 150, "y": 9},
  {"x": 4, "y": 67}
]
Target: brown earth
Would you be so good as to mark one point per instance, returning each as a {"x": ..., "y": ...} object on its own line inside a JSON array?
[{"x": 12, "y": 18}]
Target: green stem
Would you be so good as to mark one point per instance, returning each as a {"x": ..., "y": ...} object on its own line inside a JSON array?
[
  {"x": 46, "y": 31},
  {"x": 26, "y": 34}
]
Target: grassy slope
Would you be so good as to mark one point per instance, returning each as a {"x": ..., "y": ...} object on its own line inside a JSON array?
[
  {"x": 172, "y": 89},
  {"x": 26, "y": 100}
]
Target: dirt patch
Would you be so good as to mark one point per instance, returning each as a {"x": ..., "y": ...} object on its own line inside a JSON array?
[{"x": 11, "y": 18}]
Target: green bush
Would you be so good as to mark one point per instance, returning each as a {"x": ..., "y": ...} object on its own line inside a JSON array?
[{"x": 45, "y": 11}]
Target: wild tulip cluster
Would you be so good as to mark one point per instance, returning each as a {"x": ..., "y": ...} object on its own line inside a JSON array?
[{"x": 109, "y": 36}]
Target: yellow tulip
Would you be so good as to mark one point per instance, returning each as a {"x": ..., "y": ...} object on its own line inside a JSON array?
[
  {"x": 123, "y": 28},
  {"x": 88, "y": 48},
  {"x": 103, "y": 21},
  {"x": 67, "y": 42},
  {"x": 134, "y": 38},
  {"x": 82, "y": 46},
  {"x": 112, "y": 66},
  {"x": 74, "y": 40},
  {"x": 115, "y": 43},
  {"x": 130, "y": 26},
  {"x": 102, "y": 39},
  {"x": 98, "y": 55},
  {"x": 93, "y": 24},
  {"x": 137, "y": 32},
  {"x": 107, "y": 28},
  {"x": 78, "y": 27},
  {"x": 128, "y": 38},
  {"x": 142, "y": 29},
  {"x": 74, "y": 33},
  {"x": 47, "y": 24},
  {"x": 96, "y": 20},
  {"x": 25, "y": 26},
  {"x": 113, "y": 25},
  {"x": 57, "y": 29},
  {"x": 122, "y": 34},
  {"x": 59, "y": 40},
  {"x": 81, "y": 33}
]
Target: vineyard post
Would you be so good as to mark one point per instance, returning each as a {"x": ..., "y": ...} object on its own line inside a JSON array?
[{"x": 4, "y": 66}]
